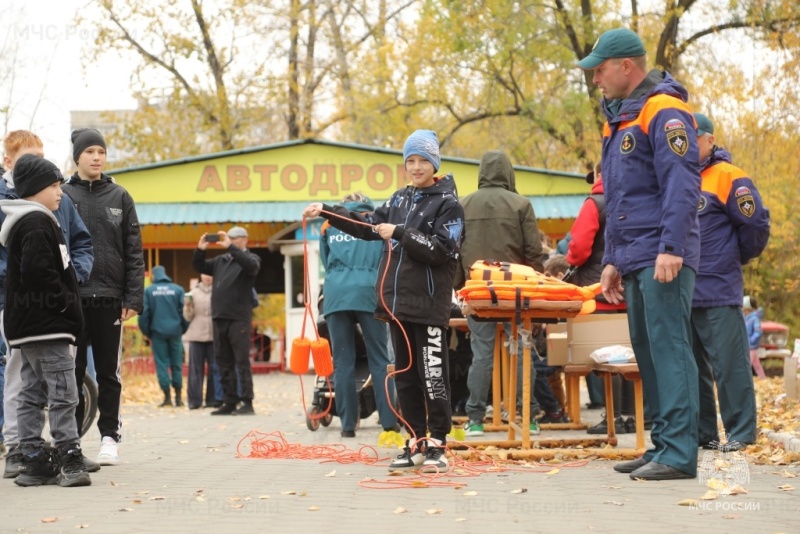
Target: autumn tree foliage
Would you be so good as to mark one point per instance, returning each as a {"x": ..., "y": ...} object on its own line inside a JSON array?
[{"x": 482, "y": 73}]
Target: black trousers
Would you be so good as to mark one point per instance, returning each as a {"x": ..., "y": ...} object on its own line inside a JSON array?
[
  {"x": 103, "y": 332},
  {"x": 423, "y": 391},
  {"x": 232, "y": 350}
]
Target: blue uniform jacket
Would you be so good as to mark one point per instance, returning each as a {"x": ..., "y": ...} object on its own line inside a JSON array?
[
  {"x": 651, "y": 173},
  {"x": 76, "y": 236},
  {"x": 162, "y": 315},
  {"x": 734, "y": 228},
  {"x": 351, "y": 267}
]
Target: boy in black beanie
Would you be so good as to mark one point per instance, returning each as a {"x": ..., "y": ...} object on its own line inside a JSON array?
[
  {"x": 114, "y": 292},
  {"x": 43, "y": 318}
]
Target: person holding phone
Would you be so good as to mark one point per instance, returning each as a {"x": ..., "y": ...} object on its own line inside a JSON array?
[{"x": 233, "y": 275}]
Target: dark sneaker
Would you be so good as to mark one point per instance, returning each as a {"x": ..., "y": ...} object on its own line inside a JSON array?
[
  {"x": 215, "y": 404},
  {"x": 90, "y": 465},
  {"x": 630, "y": 425},
  {"x": 13, "y": 462},
  {"x": 245, "y": 409},
  {"x": 554, "y": 418},
  {"x": 602, "y": 427},
  {"x": 72, "y": 472},
  {"x": 38, "y": 469},
  {"x": 225, "y": 409},
  {"x": 411, "y": 457},
  {"x": 435, "y": 457},
  {"x": 348, "y": 433}
]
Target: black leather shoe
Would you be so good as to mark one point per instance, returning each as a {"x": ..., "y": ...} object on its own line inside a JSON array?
[
  {"x": 656, "y": 471},
  {"x": 630, "y": 467},
  {"x": 348, "y": 433}
]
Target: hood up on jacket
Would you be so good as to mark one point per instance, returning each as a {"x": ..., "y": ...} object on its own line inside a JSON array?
[
  {"x": 159, "y": 274},
  {"x": 496, "y": 171},
  {"x": 15, "y": 210}
]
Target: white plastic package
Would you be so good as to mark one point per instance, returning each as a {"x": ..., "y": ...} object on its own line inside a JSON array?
[{"x": 613, "y": 354}]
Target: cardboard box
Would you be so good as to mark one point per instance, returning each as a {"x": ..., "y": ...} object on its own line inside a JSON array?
[
  {"x": 557, "y": 344},
  {"x": 587, "y": 333}
]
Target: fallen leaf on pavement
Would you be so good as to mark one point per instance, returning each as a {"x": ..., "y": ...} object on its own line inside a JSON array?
[
  {"x": 785, "y": 474},
  {"x": 126, "y": 509},
  {"x": 49, "y": 519},
  {"x": 82, "y": 525},
  {"x": 731, "y": 516},
  {"x": 302, "y": 493},
  {"x": 237, "y": 506},
  {"x": 313, "y": 508},
  {"x": 400, "y": 510},
  {"x": 290, "y": 492},
  {"x": 331, "y": 474},
  {"x": 461, "y": 519},
  {"x": 418, "y": 484},
  {"x": 157, "y": 498},
  {"x": 687, "y": 502},
  {"x": 142, "y": 492},
  {"x": 183, "y": 441},
  {"x": 470, "y": 493},
  {"x": 786, "y": 487},
  {"x": 433, "y": 511},
  {"x": 263, "y": 496},
  {"x": 396, "y": 473},
  {"x": 710, "y": 495},
  {"x": 520, "y": 490},
  {"x": 200, "y": 498},
  {"x": 552, "y": 472},
  {"x": 615, "y": 503},
  {"x": 137, "y": 501}
]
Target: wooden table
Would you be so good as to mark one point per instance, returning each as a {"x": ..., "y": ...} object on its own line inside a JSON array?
[{"x": 504, "y": 375}]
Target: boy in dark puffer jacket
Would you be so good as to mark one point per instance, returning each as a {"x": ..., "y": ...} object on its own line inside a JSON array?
[{"x": 43, "y": 318}]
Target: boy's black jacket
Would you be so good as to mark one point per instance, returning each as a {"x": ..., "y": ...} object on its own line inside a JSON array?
[
  {"x": 418, "y": 287},
  {"x": 42, "y": 299}
]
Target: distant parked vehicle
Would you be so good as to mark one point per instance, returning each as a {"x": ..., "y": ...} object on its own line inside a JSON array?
[{"x": 774, "y": 340}]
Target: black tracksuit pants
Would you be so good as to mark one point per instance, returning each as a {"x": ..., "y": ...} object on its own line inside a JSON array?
[
  {"x": 103, "y": 331},
  {"x": 424, "y": 390}
]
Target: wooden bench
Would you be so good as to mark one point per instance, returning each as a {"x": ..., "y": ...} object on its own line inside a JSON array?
[{"x": 628, "y": 371}]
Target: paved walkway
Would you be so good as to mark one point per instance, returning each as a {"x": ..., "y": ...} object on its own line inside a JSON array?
[{"x": 180, "y": 473}]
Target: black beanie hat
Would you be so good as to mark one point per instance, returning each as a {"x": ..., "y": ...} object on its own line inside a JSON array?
[
  {"x": 32, "y": 174},
  {"x": 83, "y": 139}
]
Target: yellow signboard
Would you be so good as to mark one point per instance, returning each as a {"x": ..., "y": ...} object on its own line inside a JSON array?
[{"x": 308, "y": 170}]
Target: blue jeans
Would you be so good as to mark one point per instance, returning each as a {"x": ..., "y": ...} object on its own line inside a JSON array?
[
  {"x": 482, "y": 336},
  {"x": 342, "y": 328}
]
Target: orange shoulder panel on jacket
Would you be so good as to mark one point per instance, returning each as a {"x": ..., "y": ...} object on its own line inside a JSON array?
[
  {"x": 325, "y": 226},
  {"x": 656, "y": 104},
  {"x": 718, "y": 179}
]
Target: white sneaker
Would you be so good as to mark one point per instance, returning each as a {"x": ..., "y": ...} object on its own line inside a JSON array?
[{"x": 109, "y": 452}]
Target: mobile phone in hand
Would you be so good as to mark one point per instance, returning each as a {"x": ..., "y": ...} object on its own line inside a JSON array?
[{"x": 212, "y": 238}]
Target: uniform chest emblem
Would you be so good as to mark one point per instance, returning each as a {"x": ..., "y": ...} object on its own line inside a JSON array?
[
  {"x": 628, "y": 143},
  {"x": 678, "y": 142}
]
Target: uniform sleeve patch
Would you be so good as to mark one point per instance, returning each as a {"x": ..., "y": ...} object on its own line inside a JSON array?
[
  {"x": 674, "y": 124},
  {"x": 741, "y": 191},
  {"x": 678, "y": 142},
  {"x": 746, "y": 205}
]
